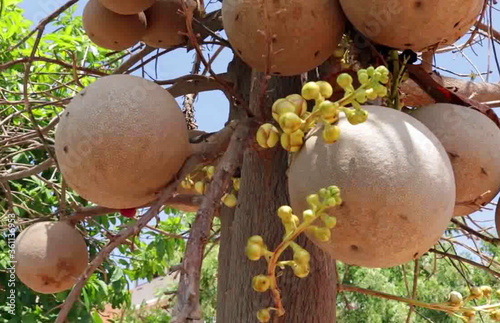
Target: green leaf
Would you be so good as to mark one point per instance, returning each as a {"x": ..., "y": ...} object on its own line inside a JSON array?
[
  {"x": 117, "y": 274},
  {"x": 96, "y": 318}
]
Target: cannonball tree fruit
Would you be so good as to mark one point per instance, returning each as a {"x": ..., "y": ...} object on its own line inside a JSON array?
[
  {"x": 50, "y": 256},
  {"x": 110, "y": 30},
  {"x": 120, "y": 141},
  {"x": 285, "y": 37},
  {"x": 164, "y": 24},
  {"x": 127, "y": 7},
  {"x": 497, "y": 219},
  {"x": 412, "y": 24},
  {"x": 396, "y": 184},
  {"x": 471, "y": 141}
]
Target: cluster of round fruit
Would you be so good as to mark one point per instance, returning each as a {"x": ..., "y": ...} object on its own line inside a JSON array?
[
  {"x": 295, "y": 121},
  {"x": 326, "y": 198},
  {"x": 119, "y": 24},
  {"x": 403, "y": 177},
  {"x": 199, "y": 185},
  {"x": 301, "y": 35}
]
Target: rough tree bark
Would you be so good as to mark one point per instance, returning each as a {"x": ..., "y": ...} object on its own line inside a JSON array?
[{"x": 263, "y": 190}]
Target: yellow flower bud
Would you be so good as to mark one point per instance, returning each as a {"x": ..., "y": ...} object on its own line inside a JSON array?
[
  {"x": 264, "y": 315},
  {"x": 301, "y": 257},
  {"x": 290, "y": 122},
  {"x": 253, "y": 251},
  {"x": 292, "y": 142},
  {"x": 210, "y": 172},
  {"x": 261, "y": 283},
  {"x": 455, "y": 299},
  {"x": 282, "y": 106},
  {"x": 331, "y": 133},
  {"x": 308, "y": 215},
  {"x": 301, "y": 271},
  {"x": 344, "y": 80},
  {"x": 187, "y": 183},
  {"x": 200, "y": 187},
  {"x": 256, "y": 240},
  {"x": 267, "y": 136},
  {"x": 285, "y": 213},
  {"x": 325, "y": 89},
  {"x": 329, "y": 221},
  {"x": 310, "y": 91},
  {"x": 476, "y": 292},
  {"x": 322, "y": 234},
  {"x": 313, "y": 200},
  {"x": 486, "y": 291},
  {"x": 236, "y": 184},
  {"x": 299, "y": 103},
  {"x": 229, "y": 200}
]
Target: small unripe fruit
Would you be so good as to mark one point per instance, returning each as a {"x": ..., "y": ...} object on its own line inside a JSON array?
[
  {"x": 187, "y": 183},
  {"x": 263, "y": 315},
  {"x": 311, "y": 91},
  {"x": 371, "y": 94},
  {"x": 261, "y": 283}
]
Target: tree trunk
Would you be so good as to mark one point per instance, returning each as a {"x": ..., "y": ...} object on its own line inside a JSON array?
[{"x": 263, "y": 191}]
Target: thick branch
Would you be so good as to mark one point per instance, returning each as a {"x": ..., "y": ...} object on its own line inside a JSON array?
[
  {"x": 195, "y": 84},
  {"x": 187, "y": 306},
  {"x": 445, "y": 95}
]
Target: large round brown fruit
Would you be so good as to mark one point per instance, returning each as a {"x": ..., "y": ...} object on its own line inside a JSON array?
[
  {"x": 164, "y": 24},
  {"x": 297, "y": 35},
  {"x": 50, "y": 256},
  {"x": 396, "y": 183},
  {"x": 412, "y": 24},
  {"x": 472, "y": 142},
  {"x": 497, "y": 219},
  {"x": 127, "y": 7},
  {"x": 121, "y": 140},
  {"x": 111, "y": 30}
]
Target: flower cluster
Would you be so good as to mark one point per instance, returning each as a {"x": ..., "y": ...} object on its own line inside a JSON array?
[
  {"x": 256, "y": 249},
  {"x": 200, "y": 186},
  {"x": 295, "y": 120}
]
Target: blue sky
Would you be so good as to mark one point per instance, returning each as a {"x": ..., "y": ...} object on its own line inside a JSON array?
[{"x": 212, "y": 107}]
